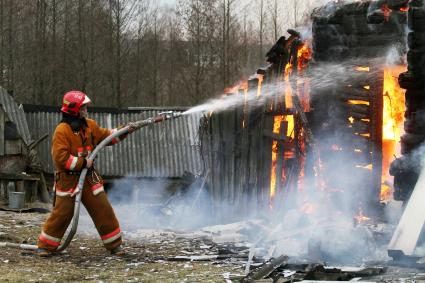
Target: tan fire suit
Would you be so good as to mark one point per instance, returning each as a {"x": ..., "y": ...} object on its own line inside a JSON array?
[{"x": 69, "y": 150}]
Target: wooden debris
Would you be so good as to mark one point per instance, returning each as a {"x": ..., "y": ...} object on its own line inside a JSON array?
[{"x": 266, "y": 269}]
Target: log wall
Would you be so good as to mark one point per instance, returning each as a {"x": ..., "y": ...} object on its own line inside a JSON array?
[
  {"x": 405, "y": 169},
  {"x": 354, "y": 35}
]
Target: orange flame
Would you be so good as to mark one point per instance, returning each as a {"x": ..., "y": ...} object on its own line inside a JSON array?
[
  {"x": 393, "y": 118},
  {"x": 288, "y": 89},
  {"x": 304, "y": 55},
  {"x": 387, "y": 11},
  {"x": 362, "y": 69},
  {"x": 361, "y": 217},
  {"x": 386, "y": 192},
  {"x": 260, "y": 82},
  {"x": 358, "y": 102},
  {"x": 276, "y": 129}
]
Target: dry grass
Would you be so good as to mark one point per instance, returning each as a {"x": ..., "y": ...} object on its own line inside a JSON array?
[{"x": 87, "y": 261}]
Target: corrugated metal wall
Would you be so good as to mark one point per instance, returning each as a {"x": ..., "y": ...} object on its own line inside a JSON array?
[
  {"x": 15, "y": 114},
  {"x": 166, "y": 149}
]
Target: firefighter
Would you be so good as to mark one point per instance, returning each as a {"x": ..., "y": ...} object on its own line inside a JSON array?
[{"x": 73, "y": 140}]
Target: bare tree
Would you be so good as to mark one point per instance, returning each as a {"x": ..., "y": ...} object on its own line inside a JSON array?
[
  {"x": 261, "y": 26},
  {"x": 2, "y": 40},
  {"x": 127, "y": 52},
  {"x": 11, "y": 47},
  {"x": 274, "y": 12}
]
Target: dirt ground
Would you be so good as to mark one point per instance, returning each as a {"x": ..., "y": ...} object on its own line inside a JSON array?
[{"x": 87, "y": 261}]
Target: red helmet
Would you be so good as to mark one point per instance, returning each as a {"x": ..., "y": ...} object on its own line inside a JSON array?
[{"x": 72, "y": 102}]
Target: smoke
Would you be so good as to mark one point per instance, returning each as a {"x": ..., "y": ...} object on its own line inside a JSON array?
[
  {"x": 319, "y": 225},
  {"x": 161, "y": 204},
  {"x": 312, "y": 222}
]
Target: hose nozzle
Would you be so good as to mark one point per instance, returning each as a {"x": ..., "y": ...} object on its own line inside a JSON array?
[{"x": 170, "y": 114}]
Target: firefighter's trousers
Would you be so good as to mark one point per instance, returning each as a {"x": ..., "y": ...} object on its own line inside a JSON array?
[{"x": 98, "y": 207}]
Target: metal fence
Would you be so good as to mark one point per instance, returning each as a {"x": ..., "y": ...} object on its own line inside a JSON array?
[{"x": 165, "y": 150}]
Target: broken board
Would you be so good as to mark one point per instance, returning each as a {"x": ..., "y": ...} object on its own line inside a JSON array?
[{"x": 406, "y": 235}]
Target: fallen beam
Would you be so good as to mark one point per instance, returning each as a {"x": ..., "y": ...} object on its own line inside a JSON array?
[
  {"x": 266, "y": 269},
  {"x": 406, "y": 235}
]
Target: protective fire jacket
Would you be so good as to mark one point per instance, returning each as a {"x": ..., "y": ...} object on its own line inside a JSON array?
[{"x": 69, "y": 150}]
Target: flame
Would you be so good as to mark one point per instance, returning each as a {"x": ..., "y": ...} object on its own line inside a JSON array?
[
  {"x": 304, "y": 55},
  {"x": 361, "y": 217},
  {"x": 394, "y": 104},
  {"x": 393, "y": 119},
  {"x": 288, "y": 89},
  {"x": 288, "y": 70},
  {"x": 358, "y": 102},
  {"x": 404, "y": 9},
  {"x": 386, "y": 192},
  {"x": 387, "y": 12},
  {"x": 362, "y": 69},
  {"x": 301, "y": 89},
  {"x": 291, "y": 126},
  {"x": 276, "y": 129},
  {"x": 260, "y": 82},
  {"x": 245, "y": 103}
]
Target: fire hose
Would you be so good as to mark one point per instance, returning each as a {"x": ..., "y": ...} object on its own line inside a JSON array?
[{"x": 77, "y": 193}]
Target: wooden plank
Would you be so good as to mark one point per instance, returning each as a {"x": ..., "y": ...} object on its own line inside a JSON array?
[
  {"x": 238, "y": 156},
  {"x": 244, "y": 170},
  {"x": 2, "y": 121},
  {"x": 224, "y": 158},
  {"x": 260, "y": 158},
  {"x": 266, "y": 153},
  {"x": 233, "y": 128},
  {"x": 406, "y": 235},
  {"x": 18, "y": 176},
  {"x": 254, "y": 136}
]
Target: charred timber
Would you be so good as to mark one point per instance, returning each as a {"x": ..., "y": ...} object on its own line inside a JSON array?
[
  {"x": 360, "y": 127},
  {"x": 360, "y": 142},
  {"x": 409, "y": 80},
  {"x": 359, "y": 109},
  {"x": 266, "y": 269}
]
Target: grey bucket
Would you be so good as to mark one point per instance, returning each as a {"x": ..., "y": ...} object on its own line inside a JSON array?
[{"x": 16, "y": 200}]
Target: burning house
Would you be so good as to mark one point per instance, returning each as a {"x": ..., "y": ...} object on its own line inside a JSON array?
[
  {"x": 331, "y": 116},
  {"x": 357, "y": 121}
]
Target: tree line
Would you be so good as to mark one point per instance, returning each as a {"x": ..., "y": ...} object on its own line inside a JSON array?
[{"x": 135, "y": 52}]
